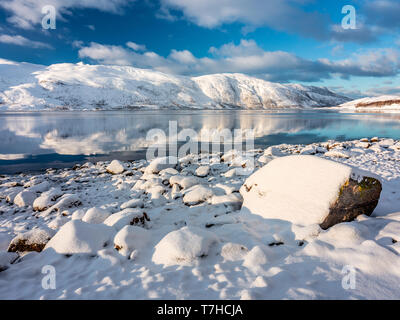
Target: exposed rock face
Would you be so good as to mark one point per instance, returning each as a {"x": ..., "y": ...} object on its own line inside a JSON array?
[{"x": 355, "y": 198}]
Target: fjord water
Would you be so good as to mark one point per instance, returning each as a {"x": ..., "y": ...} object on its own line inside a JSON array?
[{"x": 36, "y": 141}]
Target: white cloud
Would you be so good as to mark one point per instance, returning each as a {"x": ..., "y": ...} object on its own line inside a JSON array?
[
  {"x": 374, "y": 17},
  {"x": 77, "y": 44},
  {"x": 91, "y": 27},
  {"x": 281, "y": 15},
  {"x": 28, "y": 13},
  {"x": 136, "y": 47},
  {"x": 22, "y": 41},
  {"x": 247, "y": 57}
]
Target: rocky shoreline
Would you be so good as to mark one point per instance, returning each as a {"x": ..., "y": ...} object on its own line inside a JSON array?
[{"x": 135, "y": 230}]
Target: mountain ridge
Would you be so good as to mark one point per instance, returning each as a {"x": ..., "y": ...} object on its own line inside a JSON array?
[{"x": 67, "y": 86}]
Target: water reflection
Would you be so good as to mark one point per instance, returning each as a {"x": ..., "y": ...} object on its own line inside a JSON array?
[{"x": 40, "y": 140}]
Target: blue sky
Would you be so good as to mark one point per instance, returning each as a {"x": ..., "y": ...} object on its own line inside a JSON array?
[{"x": 299, "y": 41}]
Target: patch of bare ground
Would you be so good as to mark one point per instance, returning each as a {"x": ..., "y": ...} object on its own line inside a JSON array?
[{"x": 377, "y": 103}]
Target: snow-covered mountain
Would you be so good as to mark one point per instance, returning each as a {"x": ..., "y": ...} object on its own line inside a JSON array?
[
  {"x": 381, "y": 103},
  {"x": 25, "y": 86}
]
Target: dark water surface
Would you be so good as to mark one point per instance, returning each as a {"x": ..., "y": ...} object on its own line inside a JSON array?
[{"x": 36, "y": 141}]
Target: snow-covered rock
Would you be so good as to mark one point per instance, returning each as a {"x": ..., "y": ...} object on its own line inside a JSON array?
[
  {"x": 67, "y": 201},
  {"x": 202, "y": 171},
  {"x": 78, "y": 214},
  {"x": 131, "y": 238},
  {"x": 32, "y": 240},
  {"x": 309, "y": 150},
  {"x": 197, "y": 194},
  {"x": 233, "y": 200},
  {"x": 40, "y": 187},
  {"x": 47, "y": 199},
  {"x": 160, "y": 164},
  {"x": 255, "y": 258},
  {"x": 25, "y": 86},
  {"x": 96, "y": 215},
  {"x": 183, "y": 181},
  {"x": 80, "y": 237},
  {"x": 233, "y": 251},
  {"x": 183, "y": 246},
  {"x": 337, "y": 154},
  {"x": 134, "y": 203},
  {"x": 273, "y": 151},
  {"x": 308, "y": 190},
  {"x": 127, "y": 216},
  {"x": 116, "y": 167},
  {"x": 24, "y": 198},
  {"x": 58, "y": 222}
]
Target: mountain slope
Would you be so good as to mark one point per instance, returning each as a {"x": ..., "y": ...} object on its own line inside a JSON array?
[
  {"x": 25, "y": 86},
  {"x": 375, "y": 103}
]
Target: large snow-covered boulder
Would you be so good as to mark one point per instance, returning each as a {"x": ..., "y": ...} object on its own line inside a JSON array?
[
  {"x": 308, "y": 190},
  {"x": 80, "y": 237},
  {"x": 183, "y": 246}
]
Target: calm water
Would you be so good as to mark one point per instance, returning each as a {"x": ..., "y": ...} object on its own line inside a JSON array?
[{"x": 36, "y": 141}]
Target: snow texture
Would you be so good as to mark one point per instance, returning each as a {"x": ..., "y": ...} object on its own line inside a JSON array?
[{"x": 66, "y": 86}]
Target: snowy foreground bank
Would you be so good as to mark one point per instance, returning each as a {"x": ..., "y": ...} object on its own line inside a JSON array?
[{"x": 139, "y": 230}]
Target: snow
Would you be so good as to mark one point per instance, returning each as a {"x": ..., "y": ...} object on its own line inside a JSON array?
[
  {"x": 66, "y": 201},
  {"x": 131, "y": 238},
  {"x": 116, "y": 167},
  {"x": 255, "y": 258},
  {"x": 122, "y": 218},
  {"x": 210, "y": 249},
  {"x": 38, "y": 236},
  {"x": 95, "y": 215},
  {"x": 233, "y": 251},
  {"x": 183, "y": 246},
  {"x": 24, "y": 198},
  {"x": 7, "y": 258},
  {"x": 202, "y": 171},
  {"x": 299, "y": 189},
  {"x": 197, "y": 194},
  {"x": 80, "y": 237},
  {"x": 160, "y": 164},
  {"x": 184, "y": 182},
  {"x": 30, "y": 87},
  {"x": 134, "y": 203},
  {"x": 381, "y": 103},
  {"x": 47, "y": 199}
]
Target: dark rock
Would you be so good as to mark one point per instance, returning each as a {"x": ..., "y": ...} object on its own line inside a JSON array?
[
  {"x": 33, "y": 240},
  {"x": 24, "y": 246},
  {"x": 355, "y": 198}
]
